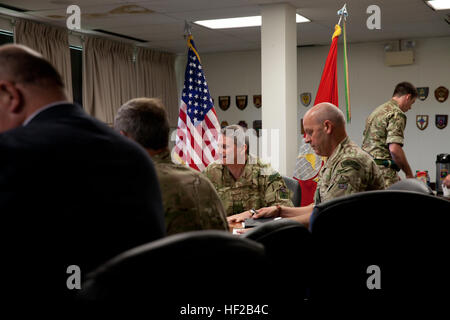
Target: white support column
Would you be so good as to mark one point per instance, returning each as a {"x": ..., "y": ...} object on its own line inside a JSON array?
[{"x": 279, "y": 82}]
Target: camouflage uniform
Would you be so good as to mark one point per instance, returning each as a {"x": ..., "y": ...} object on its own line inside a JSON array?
[
  {"x": 189, "y": 199},
  {"x": 348, "y": 170},
  {"x": 384, "y": 126},
  {"x": 259, "y": 186}
]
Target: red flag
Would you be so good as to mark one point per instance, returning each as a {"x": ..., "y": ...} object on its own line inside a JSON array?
[
  {"x": 328, "y": 90},
  {"x": 308, "y": 190}
]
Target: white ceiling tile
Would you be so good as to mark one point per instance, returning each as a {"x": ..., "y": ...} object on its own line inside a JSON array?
[
  {"x": 58, "y": 4},
  {"x": 164, "y": 29}
]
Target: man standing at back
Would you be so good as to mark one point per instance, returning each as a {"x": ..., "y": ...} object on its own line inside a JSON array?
[
  {"x": 384, "y": 137},
  {"x": 77, "y": 194},
  {"x": 189, "y": 199}
]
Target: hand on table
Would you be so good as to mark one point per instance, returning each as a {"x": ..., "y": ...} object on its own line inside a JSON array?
[
  {"x": 242, "y": 231},
  {"x": 268, "y": 212},
  {"x": 240, "y": 217}
]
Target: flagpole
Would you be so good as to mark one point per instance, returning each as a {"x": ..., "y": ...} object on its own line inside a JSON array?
[
  {"x": 327, "y": 92},
  {"x": 343, "y": 18},
  {"x": 187, "y": 29},
  {"x": 342, "y": 13},
  {"x": 347, "y": 88}
]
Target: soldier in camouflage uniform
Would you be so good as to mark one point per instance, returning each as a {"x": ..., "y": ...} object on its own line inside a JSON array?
[
  {"x": 247, "y": 184},
  {"x": 383, "y": 135},
  {"x": 189, "y": 199},
  {"x": 347, "y": 170}
]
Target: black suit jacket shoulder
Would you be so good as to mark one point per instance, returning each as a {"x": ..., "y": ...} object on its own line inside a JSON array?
[{"x": 73, "y": 191}]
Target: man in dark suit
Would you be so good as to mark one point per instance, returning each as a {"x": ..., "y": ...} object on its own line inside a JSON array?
[{"x": 72, "y": 191}]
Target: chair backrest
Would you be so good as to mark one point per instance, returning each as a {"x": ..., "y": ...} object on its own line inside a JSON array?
[
  {"x": 294, "y": 186},
  {"x": 404, "y": 233},
  {"x": 411, "y": 185},
  {"x": 192, "y": 267},
  {"x": 280, "y": 234},
  {"x": 288, "y": 248}
]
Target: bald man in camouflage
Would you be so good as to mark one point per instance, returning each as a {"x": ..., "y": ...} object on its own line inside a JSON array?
[
  {"x": 242, "y": 180},
  {"x": 383, "y": 135},
  {"x": 348, "y": 169},
  {"x": 190, "y": 201}
]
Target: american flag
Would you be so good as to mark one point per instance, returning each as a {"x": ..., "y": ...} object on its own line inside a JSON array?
[{"x": 198, "y": 126}]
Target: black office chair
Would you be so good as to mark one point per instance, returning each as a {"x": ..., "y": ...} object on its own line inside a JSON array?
[
  {"x": 403, "y": 233},
  {"x": 411, "y": 185},
  {"x": 294, "y": 186},
  {"x": 200, "y": 268},
  {"x": 288, "y": 248},
  {"x": 283, "y": 239}
]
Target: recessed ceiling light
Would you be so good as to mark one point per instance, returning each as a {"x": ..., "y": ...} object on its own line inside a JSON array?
[
  {"x": 242, "y": 22},
  {"x": 439, "y": 4},
  {"x": 301, "y": 19}
]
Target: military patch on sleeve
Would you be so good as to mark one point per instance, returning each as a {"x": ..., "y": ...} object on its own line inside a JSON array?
[
  {"x": 342, "y": 179},
  {"x": 284, "y": 194},
  {"x": 351, "y": 163}
]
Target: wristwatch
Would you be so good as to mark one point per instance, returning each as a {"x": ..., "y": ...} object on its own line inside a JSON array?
[{"x": 253, "y": 211}]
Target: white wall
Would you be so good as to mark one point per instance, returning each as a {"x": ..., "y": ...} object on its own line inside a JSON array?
[
  {"x": 371, "y": 84},
  {"x": 232, "y": 74}
]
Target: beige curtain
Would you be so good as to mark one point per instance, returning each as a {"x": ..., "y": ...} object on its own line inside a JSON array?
[
  {"x": 52, "y": 43},
  {"x": 109, "y": 77},
  {"x": 156, "y": 78}
]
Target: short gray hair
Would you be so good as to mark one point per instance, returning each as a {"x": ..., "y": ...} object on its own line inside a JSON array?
[
  {"x": 238, "y": 133},
  {"x": 145, "y": 121}
]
